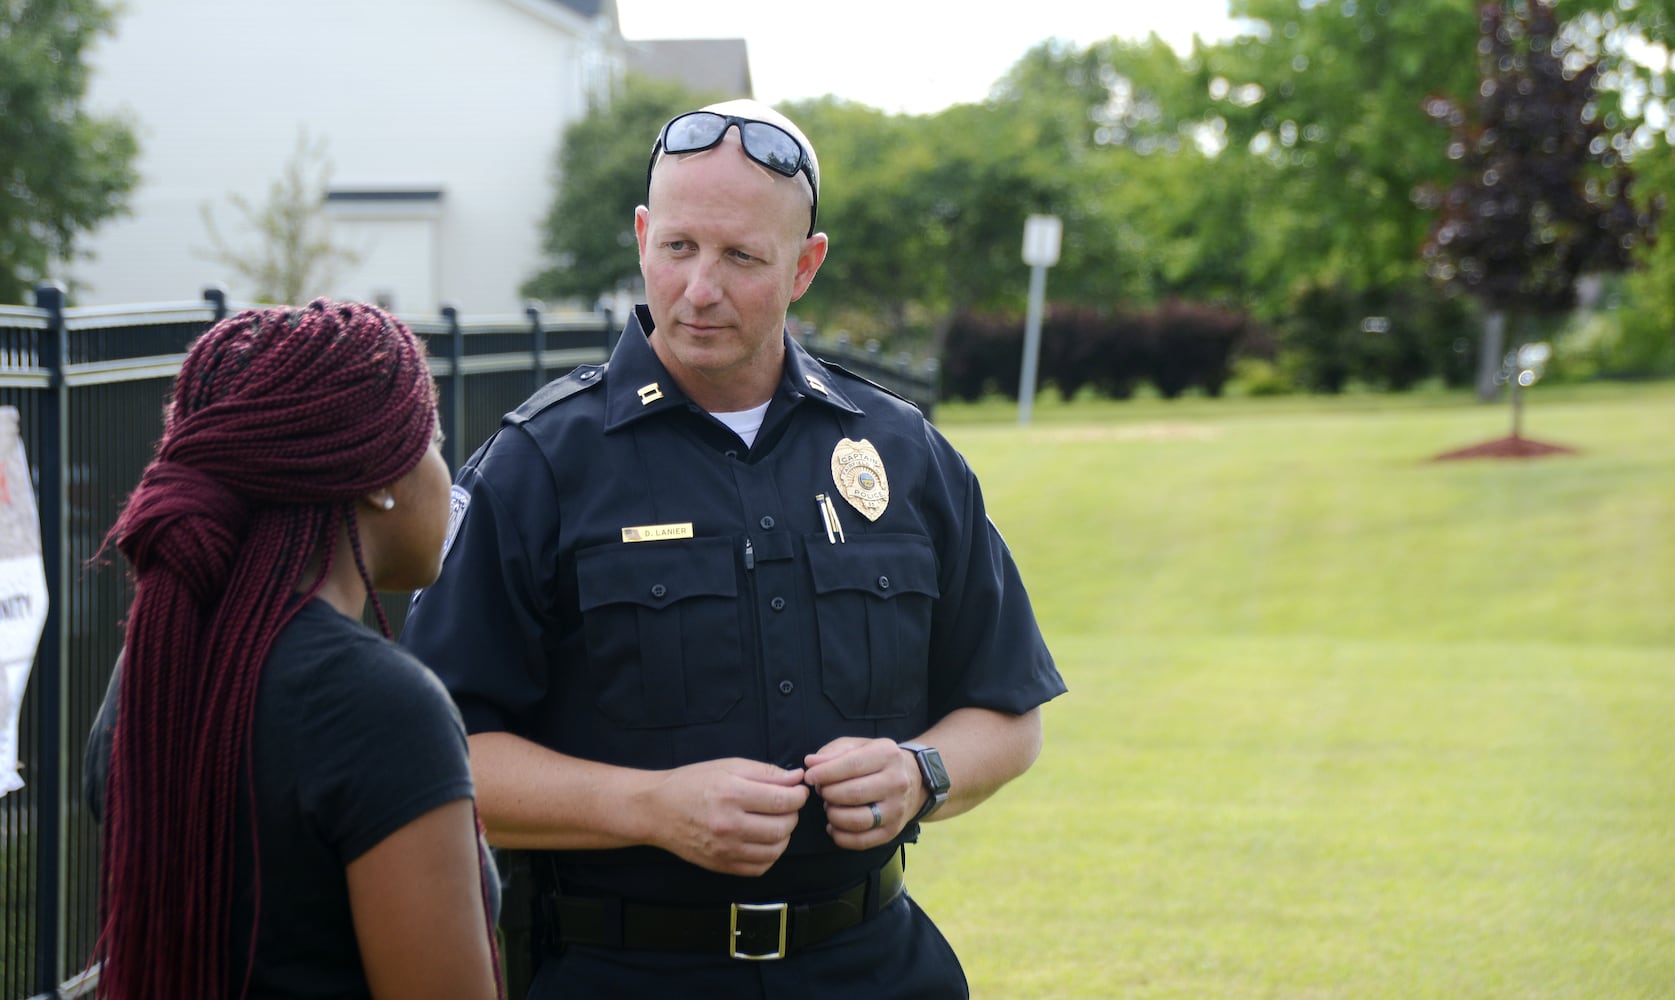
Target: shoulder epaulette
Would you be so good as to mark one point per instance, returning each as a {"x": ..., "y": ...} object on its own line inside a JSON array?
[
  {"x": 578, "y": 379},
  {"x": 834, "y": 366}
]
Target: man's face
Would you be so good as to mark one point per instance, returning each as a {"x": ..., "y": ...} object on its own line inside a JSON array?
[{"x": 723, "y": 253}]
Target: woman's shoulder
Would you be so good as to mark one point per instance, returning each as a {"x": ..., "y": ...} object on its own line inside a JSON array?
[
  {"x": 358, "y": 735},
  {"x": 329, "y": 661}
]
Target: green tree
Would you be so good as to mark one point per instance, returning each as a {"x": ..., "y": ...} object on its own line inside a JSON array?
[
  {"x": 879, "y": 271},
  {"x": 1156, "y": 211},
  {"x": 1114, "y": 143},
  {"x": 1622, "y": 38},
  {"x": 294, "y": 256},
  {"x": 62, "y": 170},
  {"x": 1325, "y": 101},
  {"x": 992, "y": 170},
  {"x": 599, "y": 178},
  {"x": 1635, "y": 88},
  {"x": 1644, "y": 343},
  {"x": 926, "y": 213}
]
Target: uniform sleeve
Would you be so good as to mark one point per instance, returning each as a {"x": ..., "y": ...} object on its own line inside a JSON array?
[
  {"x": 480, "y": 626},
  {"x": 96, "y": 760},
  {"x": 384, "y": 746},
  {"x": 987, "y": 649}
]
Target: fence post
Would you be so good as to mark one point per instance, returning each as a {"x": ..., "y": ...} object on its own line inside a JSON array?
[
  {"x": 537, "y": 343},
  {"x": 456, "y": 389},
  {"x": 47, "y": 675},
  {"x": 216, "y": 296}
]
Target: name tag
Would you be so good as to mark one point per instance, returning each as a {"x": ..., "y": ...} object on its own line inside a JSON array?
[{"x": 657, "y": 532}]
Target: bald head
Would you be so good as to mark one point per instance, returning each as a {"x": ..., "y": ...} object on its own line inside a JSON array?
[{"x": 766, "y": 138}]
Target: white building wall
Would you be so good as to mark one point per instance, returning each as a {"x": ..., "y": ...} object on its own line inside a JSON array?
[
  {"x": 398, "y": 261},
  {"x": 468, "y": 97}
]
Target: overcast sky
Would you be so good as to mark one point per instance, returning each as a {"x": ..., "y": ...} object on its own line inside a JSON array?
[{"x": 912, "y": 56}]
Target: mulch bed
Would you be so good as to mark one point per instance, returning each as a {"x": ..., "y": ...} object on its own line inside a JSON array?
[{"x": 1506, "y": 447}]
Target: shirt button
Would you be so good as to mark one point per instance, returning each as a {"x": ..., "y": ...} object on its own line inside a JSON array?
[
  {"x": 786, "y": 687},
  {"x": 883, "y": 583},
  {"x": 658, "y": 590},
  {"x": 767, "y": 523},
  {"x": 778, "y": 604}
]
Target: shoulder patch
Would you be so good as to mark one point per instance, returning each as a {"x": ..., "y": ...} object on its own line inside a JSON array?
[
  {"x": 459, "y": 498},
  {"x": 834, "y": 366},
  {"x": 578, "y": 379}
]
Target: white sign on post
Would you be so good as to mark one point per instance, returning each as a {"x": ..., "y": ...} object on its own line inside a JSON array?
[
  {"x": 1041, "y": 240},
  {"x": 1041, "y": 251},
  {"x": 23, "y": 590}
]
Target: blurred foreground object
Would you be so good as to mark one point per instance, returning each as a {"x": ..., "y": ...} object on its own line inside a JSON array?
[{"x": 23, "y": 590}]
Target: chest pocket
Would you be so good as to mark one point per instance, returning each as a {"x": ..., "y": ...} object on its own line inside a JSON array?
[
  {"x": 873, "y": 602},
  {"x": 662, "y": 629}
]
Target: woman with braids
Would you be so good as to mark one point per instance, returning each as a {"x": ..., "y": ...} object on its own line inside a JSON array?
[{"x": 288, "y": 809}]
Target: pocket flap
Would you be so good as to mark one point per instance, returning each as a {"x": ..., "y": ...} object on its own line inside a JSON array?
[
  {"x": 880, "y": 565},
  {"x": 655, "y": 574}
]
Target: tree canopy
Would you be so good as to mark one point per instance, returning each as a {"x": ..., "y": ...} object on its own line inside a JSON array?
[
  {"x": 1291, "y": 174},
  {"x": 62, "y": 170},
  {"x": 600, "y": 176},
  {"x": 1544, "y": 195}
]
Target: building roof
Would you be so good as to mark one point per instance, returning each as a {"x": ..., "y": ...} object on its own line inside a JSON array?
[
  {"x": 590, "y": 8},
  {"x": 718, "y": 66}
]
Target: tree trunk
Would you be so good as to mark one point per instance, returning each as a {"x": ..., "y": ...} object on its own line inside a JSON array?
[
  {"x": 1491, "y": 355},
  {"x": 944, "y": 326}
]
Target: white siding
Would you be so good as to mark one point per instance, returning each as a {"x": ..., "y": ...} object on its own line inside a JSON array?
[
  {"x": 398, "y": 260},
  {"x": 467, "y": 97}
]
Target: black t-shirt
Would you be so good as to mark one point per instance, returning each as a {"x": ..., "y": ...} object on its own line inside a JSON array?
[{"x": 354, "y": 738}]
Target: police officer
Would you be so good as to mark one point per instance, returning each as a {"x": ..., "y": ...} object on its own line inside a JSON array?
[{"x": 727, "y": 624}]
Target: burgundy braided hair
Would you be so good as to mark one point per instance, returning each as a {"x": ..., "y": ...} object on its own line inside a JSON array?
[{"x": 281, "y": 419}]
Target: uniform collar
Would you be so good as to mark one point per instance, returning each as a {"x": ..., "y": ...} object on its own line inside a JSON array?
[{"x": 638, "y": 385}]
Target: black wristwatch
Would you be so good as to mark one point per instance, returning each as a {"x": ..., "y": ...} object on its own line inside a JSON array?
[{"x": 934, "y": 775}]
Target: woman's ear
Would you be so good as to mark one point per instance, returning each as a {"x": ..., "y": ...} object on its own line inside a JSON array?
[{"x": 381, "y": 499}]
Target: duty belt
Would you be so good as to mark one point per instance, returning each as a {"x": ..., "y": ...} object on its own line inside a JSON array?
[{"x": 749, "y": 931}]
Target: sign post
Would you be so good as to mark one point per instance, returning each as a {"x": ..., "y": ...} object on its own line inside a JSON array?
[{"x": 1041, "y": 251}]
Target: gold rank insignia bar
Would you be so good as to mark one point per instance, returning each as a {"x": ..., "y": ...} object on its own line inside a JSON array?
[
  {"x": 858, "y": 472},
  {"x": 657, "y": 532}
]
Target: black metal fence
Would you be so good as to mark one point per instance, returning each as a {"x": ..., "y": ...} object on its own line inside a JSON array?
[{"x": 89, "y": 385}]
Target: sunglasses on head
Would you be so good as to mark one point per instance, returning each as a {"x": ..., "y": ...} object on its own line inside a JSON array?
[{"x": 764, "y": 142}]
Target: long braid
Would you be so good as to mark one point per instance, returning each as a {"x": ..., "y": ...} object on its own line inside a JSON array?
[{"x": 280, "y": 419}]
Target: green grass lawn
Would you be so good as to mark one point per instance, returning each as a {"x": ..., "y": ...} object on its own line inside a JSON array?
[{"x": 1343, "y": 721}]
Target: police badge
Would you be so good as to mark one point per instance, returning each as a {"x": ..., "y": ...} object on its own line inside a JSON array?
[{"x": 858, "y": 472}]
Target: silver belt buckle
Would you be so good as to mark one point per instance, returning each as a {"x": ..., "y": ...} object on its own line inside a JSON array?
[{"x": 783, "y": 909}]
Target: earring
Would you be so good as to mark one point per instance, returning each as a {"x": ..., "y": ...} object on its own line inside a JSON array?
[{"x": 388, "y": 503}]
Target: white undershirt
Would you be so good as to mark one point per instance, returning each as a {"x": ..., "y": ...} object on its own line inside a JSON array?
[{"x": 744, "y": 423}]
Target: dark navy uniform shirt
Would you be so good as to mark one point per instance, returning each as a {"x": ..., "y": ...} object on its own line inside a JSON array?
[{"x": 627, "y": 582}]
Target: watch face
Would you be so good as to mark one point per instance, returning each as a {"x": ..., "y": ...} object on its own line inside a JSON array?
[{"x": 934, "y": 771}]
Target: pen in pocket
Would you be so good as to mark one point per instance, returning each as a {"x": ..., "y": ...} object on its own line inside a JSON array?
[{"x": 829, "y": 518}]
